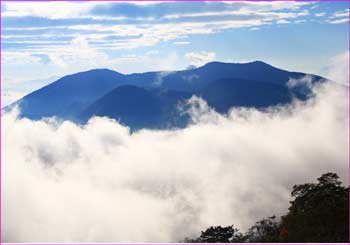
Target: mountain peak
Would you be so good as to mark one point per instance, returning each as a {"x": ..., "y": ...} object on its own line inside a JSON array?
[
  {"x": 257, "y": 62},
  {"x": 98, "y": 71}
]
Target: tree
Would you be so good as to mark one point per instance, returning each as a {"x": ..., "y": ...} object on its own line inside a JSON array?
[
  {"x": 319, "y": 212},
  {"x": 218, "y": 234},
  {"x": 265, "y": 230}
]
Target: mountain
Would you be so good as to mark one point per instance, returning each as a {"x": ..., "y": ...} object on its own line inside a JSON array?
[
  {"x": 150, "y": 99},
  {"x": 196, "y": 79},
  {"x": 225, "y": 93},
  {"x": 138, "y": 107},
  {"x": 70, "y": 94}
]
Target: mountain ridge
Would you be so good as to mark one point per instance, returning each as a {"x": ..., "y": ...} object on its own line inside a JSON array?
[{"x": 224, "y": 85}]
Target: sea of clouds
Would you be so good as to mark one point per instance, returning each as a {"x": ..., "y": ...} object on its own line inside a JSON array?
[{"x": 62, "y": 182}]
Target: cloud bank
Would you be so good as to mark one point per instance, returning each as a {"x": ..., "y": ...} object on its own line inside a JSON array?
[{"x": 100, "y": 183}]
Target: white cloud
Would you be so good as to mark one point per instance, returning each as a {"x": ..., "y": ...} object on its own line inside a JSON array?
[
  {"x": 338, "y": 70},
  {"x": 249, "y": 15},
  {"x": 338, "y": 21},
  {"x": 278, "y": 5},
  {"x": 200, "y": 58},
  {"x": 341, "y": 13},
  {"x": 51, "y": 10},
  {"x": 320, "y": 14},
  {"x": 239, "y": 13},
  {"x": 282, "y": 21},
  {"x": 65, "y": 10},
  {"x": 306, "y": 81},
  {"x": 182, "y": 43},
  {"x": 18, "y": 58},
  {"x": 99, "y": 183},
  {"x": 160, "y": 62},
  {"x": 149, "y": 34},
  {"x": 77, "y": 53},
  {"x": 339, "y": 17}
]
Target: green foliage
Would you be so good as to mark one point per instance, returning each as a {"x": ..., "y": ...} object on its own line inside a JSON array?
[{"x": 318, "y": 213}]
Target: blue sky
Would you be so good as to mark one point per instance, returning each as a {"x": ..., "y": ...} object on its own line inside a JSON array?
[{"x": 42, "y": 41}]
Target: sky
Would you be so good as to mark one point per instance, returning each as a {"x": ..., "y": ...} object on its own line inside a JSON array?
[{"x": 42, "y": 41}]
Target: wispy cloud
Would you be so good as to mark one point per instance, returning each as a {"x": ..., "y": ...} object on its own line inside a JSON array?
[
  {"x": 200, "y": 58},
  {"x": 339, "y": 17},
  {"x": 320, "y": 14},
  {"x": 154, "y": 23},
  {"x": 50, "y": 10},
  {"x": 15, "y": 57},
  {"x": 338, "y": 21},
  {"x": 182, "y": 42},
  {"x": 282, "y": 21},
  {"x": 341, "y": 13},
  {"x": 338, "y": 69}
]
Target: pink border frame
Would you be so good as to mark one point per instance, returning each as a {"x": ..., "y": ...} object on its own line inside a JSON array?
[{"x": 150, "y": 1}]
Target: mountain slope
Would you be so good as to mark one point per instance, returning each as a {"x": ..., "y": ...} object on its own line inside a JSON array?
[
  {"x": 226, "y": 93},
  {"x": 68, "y": 95},
  {"x": 137, "y": 107},
  {"x": 198, "y": 78}
]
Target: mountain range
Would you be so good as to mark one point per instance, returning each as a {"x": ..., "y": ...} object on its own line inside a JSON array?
[{"x": 151, "y": 99}]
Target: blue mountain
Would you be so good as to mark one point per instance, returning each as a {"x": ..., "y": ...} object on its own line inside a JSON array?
[
  {"x": 69, "y": 95},
  {"x": 150, "y": 99},
  {"x": 225, "y": 93},
  {"x": 195, "y": 79},
  {"x": 139, "y": 107}
]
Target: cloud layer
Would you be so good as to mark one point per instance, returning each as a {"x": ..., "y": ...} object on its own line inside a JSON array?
[
  {"x": 100, "y": 183},
  {"x": 48, "y": 28}
]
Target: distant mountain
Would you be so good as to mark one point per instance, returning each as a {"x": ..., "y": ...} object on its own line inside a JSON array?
[
  {"x": 195, "y": 79},
  {"x": 225, "y": 93},
  {"x": 150, "y": 99},
  {"x": 70, "y": 94},
  {"x": 138, "y": 107}
]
